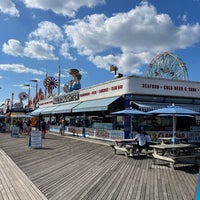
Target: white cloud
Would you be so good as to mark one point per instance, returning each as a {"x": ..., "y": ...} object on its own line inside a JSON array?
[
  {"x": 39, "y": 50},
  {"x": 62, "y": 7},
  {"x": 47, "y": 31},
  {"x": 64, "y": 51},
  {"x": 129, "y": 63},
  {"x": 8, "y": 7},
  {"x": 128, "y": 40},
  {"x": 183, "y": 18},
  {"x": 20, "y": 68},
  {"x": 43, "y": 42},
  {"x": 13, "y": 47},
  {"x": 137, "y": 35}
]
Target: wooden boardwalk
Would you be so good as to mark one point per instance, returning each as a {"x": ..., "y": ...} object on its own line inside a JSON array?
[
  {"x": 15, "y": 185},
  {"x": 71, "y": 168}
]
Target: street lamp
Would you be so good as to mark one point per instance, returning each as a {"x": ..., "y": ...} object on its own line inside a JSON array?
[
  {"x": 36, "y": 85},
  {"x": 29, "y": 90},
  {"x": 114, "y": 68}
]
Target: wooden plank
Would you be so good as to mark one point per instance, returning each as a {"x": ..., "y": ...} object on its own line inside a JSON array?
[
  {"x": 165, "y": 158},
  {"x": 15, "y": 184},
  {"x": 78, "y": 168}
]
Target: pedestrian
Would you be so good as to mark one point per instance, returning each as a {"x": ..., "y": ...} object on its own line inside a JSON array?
[
  {"x": 62, "y": 126},
  {"x": 28, "y": 129},
  {"x": 43, "y": 128}
]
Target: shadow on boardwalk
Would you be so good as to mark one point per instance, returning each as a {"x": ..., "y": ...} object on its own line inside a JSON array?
[{"x": 72, "y": 168}]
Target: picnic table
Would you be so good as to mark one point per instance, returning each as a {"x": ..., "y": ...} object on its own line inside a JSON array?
[
  {"x": 168, "y": 140},
  {"x": 127, "y": 146},
  {"x": 174, "y": 153}
]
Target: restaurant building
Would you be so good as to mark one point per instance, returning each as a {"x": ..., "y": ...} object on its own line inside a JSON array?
[{"x": 87, "y": 111}]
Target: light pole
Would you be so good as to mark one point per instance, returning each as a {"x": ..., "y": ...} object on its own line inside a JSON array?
[
  {"x": 29, "y": 90},
  {"x": 36, "y": 85},
  {"x": 114, "y": 68}
]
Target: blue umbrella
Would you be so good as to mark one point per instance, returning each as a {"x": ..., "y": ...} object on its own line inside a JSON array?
[
  {"x": 174, "y": 111},
  {"x": 129, "y": 112},
  {"x": 23, "y": 116}
]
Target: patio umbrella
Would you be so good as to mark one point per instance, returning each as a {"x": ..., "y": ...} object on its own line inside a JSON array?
[
  {"x": 129, "y": 112},
  {"x": 174, "y": 111},
  {"x": 23, "y": 116},
  {"x": 2, "y": 116}
]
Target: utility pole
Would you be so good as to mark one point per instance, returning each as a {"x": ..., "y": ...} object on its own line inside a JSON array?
[
  {"x": 36, "y": 85},
  {"x": 45, "y": 87},
  {"x": 58, "y": 80},
  {"x": 12, "y": 100}
]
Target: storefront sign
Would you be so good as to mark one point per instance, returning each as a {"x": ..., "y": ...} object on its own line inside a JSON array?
[
  {"x": 35, "y": 139},
  {"x": 165, "y": 87},
  {"x": 68, "y": 97}
]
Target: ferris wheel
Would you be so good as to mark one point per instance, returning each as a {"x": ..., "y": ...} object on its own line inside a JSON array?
[{"x": 167, "y": 65}]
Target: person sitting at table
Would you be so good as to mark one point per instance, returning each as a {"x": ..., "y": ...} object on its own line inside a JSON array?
[
  {"x": 148, "y": 140},
  {"x": 140, "y": 138}
]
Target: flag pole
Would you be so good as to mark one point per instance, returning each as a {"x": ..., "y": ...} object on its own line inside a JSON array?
[
  {"x": 45, "y": 86},
  {"x": 58, "y": 80}
]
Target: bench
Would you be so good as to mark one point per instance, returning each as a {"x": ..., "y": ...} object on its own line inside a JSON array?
[
  {"x": 174, "y": 159},
  {"x": 125, "y": 150},
  {"x": 129, "y": 150}
]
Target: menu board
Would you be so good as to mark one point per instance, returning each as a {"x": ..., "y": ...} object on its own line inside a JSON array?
[
  {"x": 15, "y": 131},
  {"x": 35, "y": 139}
]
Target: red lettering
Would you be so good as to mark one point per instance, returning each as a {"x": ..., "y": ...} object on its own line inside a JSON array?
[
  {"x": 179, "y": 88},
  {"x": 168, "y": 87},
  {"x": 114, "y": 88},
  {"x": 103, "y": 90},
  {"x": 153, "y": 86},
  {"x": 192, "y": 89},
  {"x": 84, "y": 94},
  {"x": 120, "y": 86}
]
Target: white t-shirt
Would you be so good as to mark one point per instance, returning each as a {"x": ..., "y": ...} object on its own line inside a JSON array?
[
  {"x": 141, "y": 139},
  {"x": 148, "y": 138}
]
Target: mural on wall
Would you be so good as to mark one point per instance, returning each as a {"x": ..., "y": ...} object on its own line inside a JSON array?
[
  {"x": 50, "y": 83},
  {"x": 75, "y": 83}
]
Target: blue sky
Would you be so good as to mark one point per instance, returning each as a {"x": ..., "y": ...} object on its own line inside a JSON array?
[{"x": 37, "y": 36}]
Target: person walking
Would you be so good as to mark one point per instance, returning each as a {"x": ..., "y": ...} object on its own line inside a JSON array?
[
  {"x": 62, "y": 126},
  {"x": 43, "y": 128}
]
